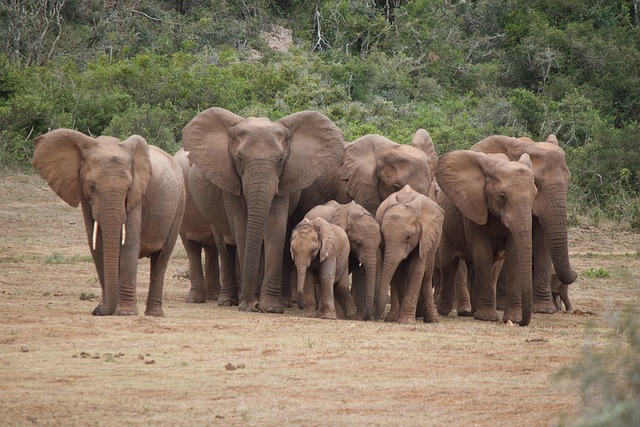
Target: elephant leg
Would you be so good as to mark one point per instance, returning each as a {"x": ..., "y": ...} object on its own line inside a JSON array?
[
  {"x": 358, "y": 291},
  {"x": 394, "y": 311},
  {"x": 485, "y": 294},
  {"x": 159, "y": 263},
  {"x": 415, "y": 275},
  {"x": 309, "y": 292},
  {"x": 197, "y": 293},
  {"x": 228, "y": 278},
  {"x": 448, "y": 272},
  {"x": 327, "y": 305},
  {"x": 542, "y": 271},
  {"x": 274, "y": 243},
  {"x": 345, "y": 297},
  {"x": 501, "y": 291},
  {"x": 127, "y": 297},
  {"x": 212, "y": 272},
  {"x": 461, "y": 290},
  {"x": 426, "y": 304}
]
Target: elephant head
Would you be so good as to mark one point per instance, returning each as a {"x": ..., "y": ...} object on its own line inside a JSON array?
[
  {"x": 374, "y": 167},
  {"x": 552, "y": 180},
  {"x": 309, "y": 240},
  {"x": 411, "y": 225},
  {"x": 483, "y": 186},
  {"x": 109, "y": 177},
  {"x": 257, "y": 160},
  {"x": 364, "y": 239}
]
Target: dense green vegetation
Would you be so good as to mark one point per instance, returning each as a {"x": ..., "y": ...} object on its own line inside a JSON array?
[{"x": 462, "y": 69}]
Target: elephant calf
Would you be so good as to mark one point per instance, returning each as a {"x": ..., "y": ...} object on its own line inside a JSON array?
[{"x": 320, "y": 252}]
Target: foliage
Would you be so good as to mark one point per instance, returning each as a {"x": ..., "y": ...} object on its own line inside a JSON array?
[
  {"x": 609, "y": 379},
  {"x": 596, "y": 273},
  {"x": 461, "y": 70}
]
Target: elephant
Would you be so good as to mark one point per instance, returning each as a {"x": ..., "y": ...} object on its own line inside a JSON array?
[
  {"x": 209, "y": 201},
  {"x": 132, "y": 197},
  {"x": 261, "y": 166},
  {"x": 196, "y": 236},
  {"x": 411, "y": 227},
  {"x": 373, "y": 168},
  {"x": 560, "y": 294},
  {"x": 364, "y": 236},
  {"x": 320, "y": 251},
  {"x": 550, "y": 228},
  {"x": 487, "y": 201}
]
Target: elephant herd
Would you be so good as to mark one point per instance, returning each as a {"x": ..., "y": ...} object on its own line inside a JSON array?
[{"x": 286, "y": 211}]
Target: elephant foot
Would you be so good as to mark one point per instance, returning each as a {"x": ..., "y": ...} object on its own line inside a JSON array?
[
  {"x": 100, "y": 310},
  {"x": 487, "y": 315},
  {"x": 392, "y": 317},
  {"x": 248, "y": 306},
  {"x": 514, "y": 318},
  {"x": 444, "y": 311},
  {"x": 227, "y": 301},
  {"x": 195, "y": 297},
  {"x": 430, "y": 317},
  {"x": 155, "y": 310},
  {"x": 270, "y": 305},
  {"x": 543, "y": 307},
  {"x": 328, "y": 315},
  {"x": 407, "y": 320},
  {"x": 464, "y": 313},
  {"x": 213, "y": 295}
]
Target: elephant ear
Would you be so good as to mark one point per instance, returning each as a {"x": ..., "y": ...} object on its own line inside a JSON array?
[
  {"x": 359, "y": 171},
  {"x": 461, "y": 177},
  {"x": 422, "y": 141},
  {"x": 58, "y": 155},
  {"x": 327, "y": 238},
  {"x": 431, "y": 219},
  {"x": 552, "y": 139},
  {"x": 316, "y": 146},
  {"x": 386, "y": 204},
  {"x": 207, "y": 139},
  {"x": 141, "y": 170}
]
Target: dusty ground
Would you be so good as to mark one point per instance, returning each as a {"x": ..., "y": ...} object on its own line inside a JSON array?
[{"x": 207, "y": 365}]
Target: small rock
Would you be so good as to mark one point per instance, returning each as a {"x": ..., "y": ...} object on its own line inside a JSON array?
[{"x": 24, "y": 348}]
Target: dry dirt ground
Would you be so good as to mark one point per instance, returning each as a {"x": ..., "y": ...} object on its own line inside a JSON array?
[{"x": 208, "y": 365}]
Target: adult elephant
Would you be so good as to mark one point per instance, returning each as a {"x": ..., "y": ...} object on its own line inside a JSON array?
[
  {"x": 487, "y": 201},
  {"x": 197, "y": 236},
  {"x": 364, "y": 236},
  {"x": 411, "y": 226},
  {"x": 261, "y": 166},
  {"x": 550, "y": 229},
  {"x": 132, "y": 198}
]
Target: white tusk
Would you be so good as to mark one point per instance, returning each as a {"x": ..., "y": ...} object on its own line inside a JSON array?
[
  {"x": 124, "y": 234},
  {"x": 95, "y": 234}
]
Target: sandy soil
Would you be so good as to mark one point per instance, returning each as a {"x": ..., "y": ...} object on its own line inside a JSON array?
[{"x": 209, "y": 365}]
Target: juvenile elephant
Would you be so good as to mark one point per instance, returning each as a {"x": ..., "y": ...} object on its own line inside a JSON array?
[
  {"x": 132, "y": 198},
  {"x": 550, "y": 229},
  {"x": 487, "y": 201},
  {"x": 320, "y": 251},
  {"x": 261, "y": 166},
  {"x": 196, "y": 235},
  {"x": 411, "y": 226},
  {"x": 364, "y": 240}
]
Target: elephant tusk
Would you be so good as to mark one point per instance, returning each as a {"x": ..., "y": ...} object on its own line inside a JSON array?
[
  {"x": 95, "y": 234},
  {"x": 124, "y": 234}
]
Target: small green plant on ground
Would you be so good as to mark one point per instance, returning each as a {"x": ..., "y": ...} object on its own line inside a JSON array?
[
  {"x": 609, "y": 379},
  {"x": 59, "y": 258},
  {"x": 596, "y": 273}
]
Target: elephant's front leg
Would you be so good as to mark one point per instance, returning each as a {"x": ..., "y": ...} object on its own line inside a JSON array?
[
  {"x": 129, "y": 252},
  {"x": 345, "y": 297},
  {"x": 197, "y": 293},
  {"x": 327, "y": 305},
  {"x": 211, "y": 272},
  {"x": 485, "y": 294},
  {"x": 274, "y": 241},
  {"x": 542, "y": 271},
  {"x": 414, "y": 277}
]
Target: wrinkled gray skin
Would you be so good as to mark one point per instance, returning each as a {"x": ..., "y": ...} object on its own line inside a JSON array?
[
  {"x": 560, "y": 294},
  {"x": 487, "y": 201},
  {"x": 373, "y": 168},
  {"x": 132, "y": 197},
  {"x": 364, "y": 236},
  {"x": 411, "y": 227},
  {"x": 197, "y": 236},
  {"x": 261, "y": 166},
  {"x": 550, "y": 228},
  {"x": 209, "y": 201},
  {"x": 320, "y": 251}
]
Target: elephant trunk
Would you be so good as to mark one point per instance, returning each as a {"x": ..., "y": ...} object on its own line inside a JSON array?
[
  {"x": 371, "y": 264},
  {"x": 301, "y": 272},
  {"x": 554, "y": 224},
  {"x": 110, "y": 229},
  {"x": 524, "y": 273},
  {"x": 390, "y": 263},
  {"x": 259, "y": 193}
]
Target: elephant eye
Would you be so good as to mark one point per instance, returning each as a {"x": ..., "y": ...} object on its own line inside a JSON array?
[
  {"x": 502, "y": 198},
  {"x": 92, "y": 186}
]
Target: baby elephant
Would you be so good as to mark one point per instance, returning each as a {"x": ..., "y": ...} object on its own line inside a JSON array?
[{"x": 320, "y": 252}]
